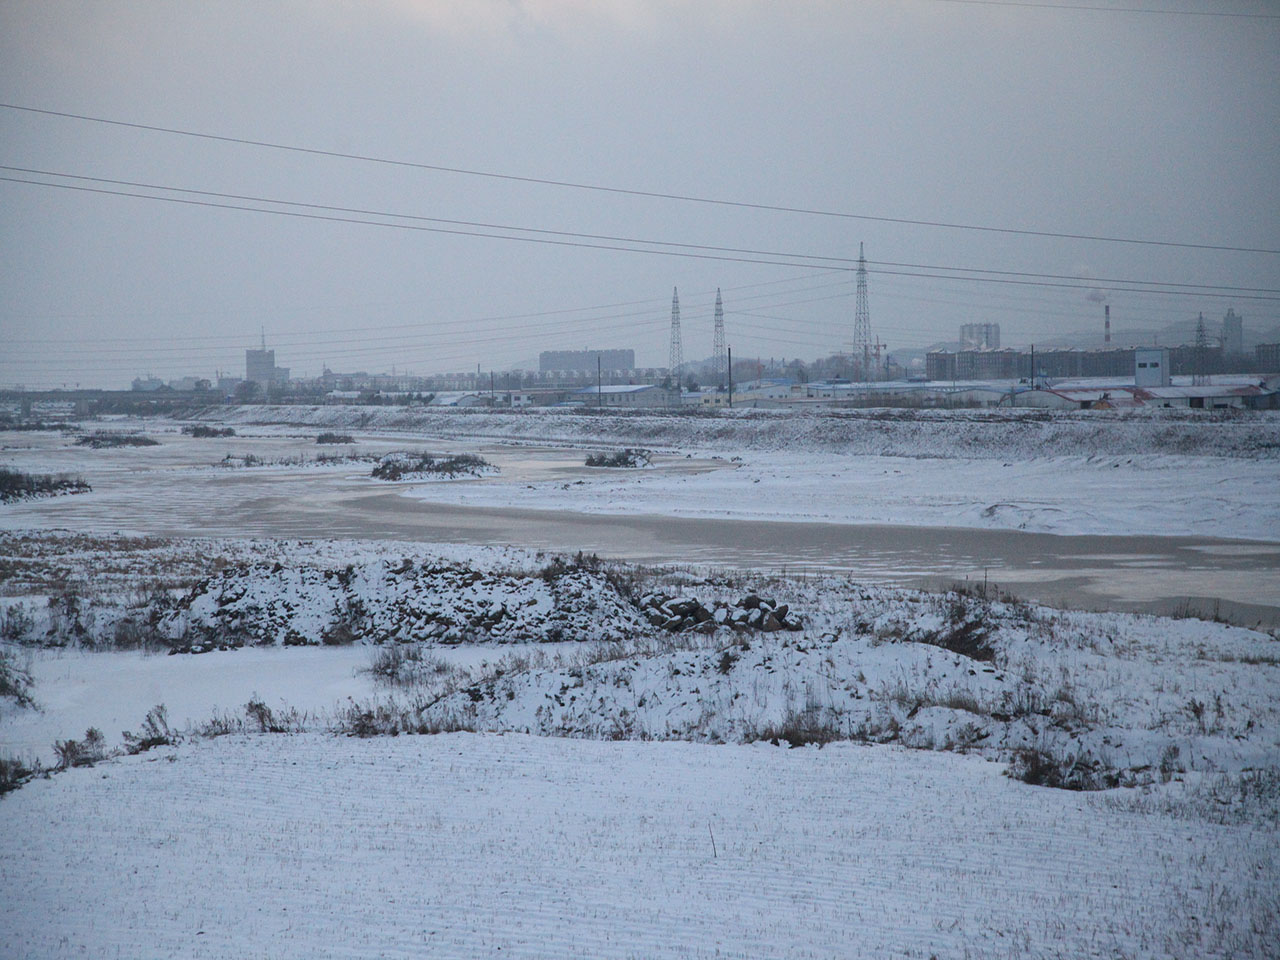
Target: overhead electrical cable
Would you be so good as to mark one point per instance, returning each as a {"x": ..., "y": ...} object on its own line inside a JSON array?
[
  {"x": 413, "y": 226},
  {"x": 619, "y": 239},
  {"x": 624, "y": 191},
  {"x": 689, "y": 250},
  {"x": 439, "y": 326}
]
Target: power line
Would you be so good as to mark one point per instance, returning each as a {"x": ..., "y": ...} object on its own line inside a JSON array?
[
  {"x": 624, "y": 191},
  {"x": 410, "y": 226},
  {"x": 681, "y": 249},
  {"x": 414, "y": 217},
  {"x": 617, "y": 239},
  {"x": 437, "y": 326}
]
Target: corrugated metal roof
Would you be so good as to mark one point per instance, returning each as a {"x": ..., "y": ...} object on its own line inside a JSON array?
[{"x": 618, "y": 388}]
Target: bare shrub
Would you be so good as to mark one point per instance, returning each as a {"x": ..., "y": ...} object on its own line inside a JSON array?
[
  {"x": 957, "y": 698},
  {"x": 200, "y": 431},
  {"x": 153, "y": 733},
  {"x": 16, "y": 624},
  {"x": 407, "y": 665},
  {"x": 15, "y": 680},
  {"x": 135, "y": 633},
  {"x": 81, "y": 753},
  {"x": 101, "y": 440},
  {"x": 15, "y": 485},
  {"x": 1040, "y": 767},
  {"x": 396, "y": 466},
  {"x": 335, "y": 438},
  {"x": 14, "y": 772},
  {"x": 1023, "y": 700},
  {"x": 220, "y": 725},
  {"x": 800, "y": 728},
  {"x": 268, "y": 721},
  {"x": 350, "y": 623},
  {"x": 1068, "y": 710},
  {"x": 965, "y": 633},
  {"x": 391, "y": 718},
  {"x": 628, "y": 458},
  {"x": 66, "y": 619}
]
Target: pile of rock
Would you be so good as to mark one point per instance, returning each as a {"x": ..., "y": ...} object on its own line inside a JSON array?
[{"x": 752, "y": 612}]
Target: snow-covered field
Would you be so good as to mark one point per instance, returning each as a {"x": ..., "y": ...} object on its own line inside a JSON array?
[
  {"x": 468, "y": 845},
  {"x": 629, "y": 792}
]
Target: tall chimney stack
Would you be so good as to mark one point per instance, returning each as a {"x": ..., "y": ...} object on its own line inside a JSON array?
[{"x": 1107, "y": 329}]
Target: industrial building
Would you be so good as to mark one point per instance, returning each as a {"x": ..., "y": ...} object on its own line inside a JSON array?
[
  {"x": 585, "y": 361},
  {"x": 627, "y": 396},
  {"x": 1187, "y": 359}
]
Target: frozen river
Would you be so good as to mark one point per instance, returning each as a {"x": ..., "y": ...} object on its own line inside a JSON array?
[{"x": 174, "y": 490}]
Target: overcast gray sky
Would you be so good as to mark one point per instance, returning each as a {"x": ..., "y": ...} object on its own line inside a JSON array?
[{"x": 1156, "y": 126}]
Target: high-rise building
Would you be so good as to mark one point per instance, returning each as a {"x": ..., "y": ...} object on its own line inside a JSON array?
[
  {"x": 980, "y": 336},
  {"x": 260, "y": 366},
  {"x": 1232, "y": 334}
]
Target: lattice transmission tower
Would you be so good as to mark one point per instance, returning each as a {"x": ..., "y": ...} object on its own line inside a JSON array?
[
  {"x": 1200, "y": 375},
  {"x": 676, "y": 360},
  {"x": 862, "y": 349},
  {"x": 718, "y": 350}
]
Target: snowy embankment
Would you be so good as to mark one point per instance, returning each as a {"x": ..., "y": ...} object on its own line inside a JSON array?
[
  {"x": 1075, "y": 699},
  {"x": 310, "y": 846},
  {"x": 944, "y": 434},
  {"x": 328, "y": 839}
]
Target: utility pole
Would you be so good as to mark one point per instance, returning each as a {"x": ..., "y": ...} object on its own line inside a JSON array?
[
  {"x": 730, "y": 368},
  {"x": 599, "y": 385}
]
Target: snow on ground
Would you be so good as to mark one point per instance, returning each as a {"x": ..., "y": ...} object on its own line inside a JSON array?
[
  {"x": 113, "y": 689},
  {"x": 477, "y": 845},
  {"x": 1151, "y": 475},
  {"x": 1099, "y": 699},
  {"x": 504, "y": 844},
  {"x": 1158, "y": 495}
]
